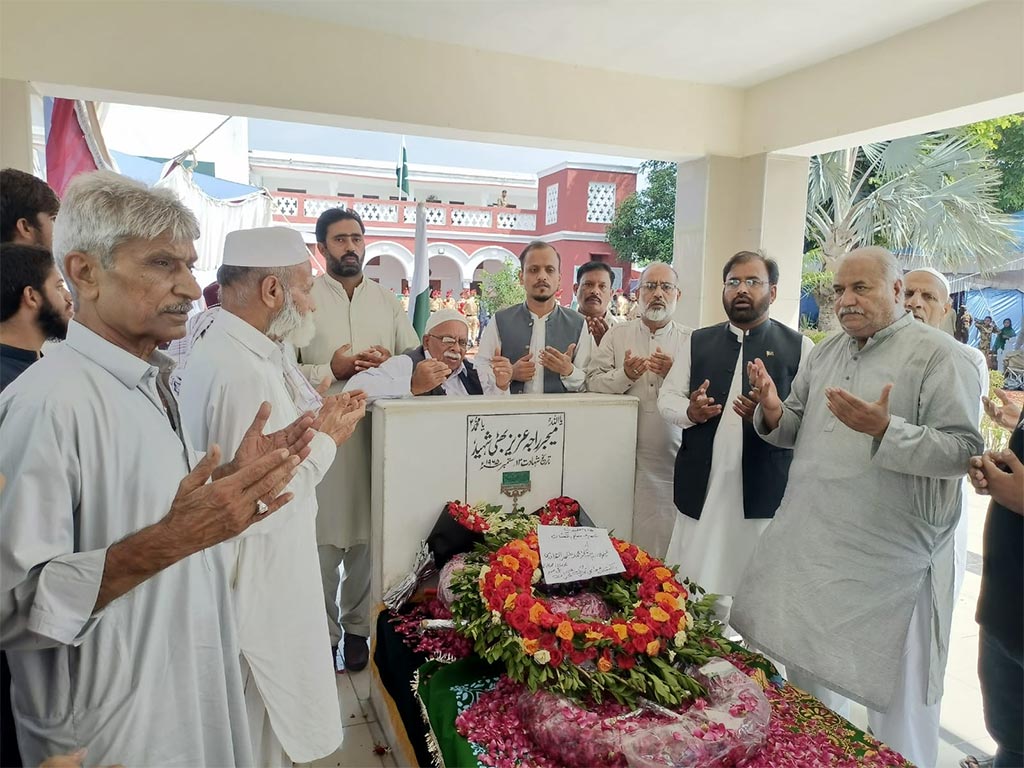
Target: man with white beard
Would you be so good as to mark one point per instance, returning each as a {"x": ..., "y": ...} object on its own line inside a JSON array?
[
  {"x": 926, "y": 295},
  {"x": 290, "y": 694},
  {"x": 634, "y": 358}
]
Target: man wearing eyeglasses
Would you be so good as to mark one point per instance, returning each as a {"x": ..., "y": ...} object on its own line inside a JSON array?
[
  {"x": 633, "y": 359},
  {"x": 437, "y": 367},
  {"x": 728, "y": 482}
]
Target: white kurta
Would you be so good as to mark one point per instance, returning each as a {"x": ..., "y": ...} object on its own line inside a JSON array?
[
  {"x": 275, "y": 570},
  {"x": 715, "y": 550},
  {"x": 373, "y": 316},
  {"x": 966, "y": 492},
  {"x": 657, "y": 441},
  {"x": 490, "y": 342},
  {"x": 90, "y": 457}
]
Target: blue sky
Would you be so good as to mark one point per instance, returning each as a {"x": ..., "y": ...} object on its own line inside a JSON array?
[{"x": 274, "y": 136}]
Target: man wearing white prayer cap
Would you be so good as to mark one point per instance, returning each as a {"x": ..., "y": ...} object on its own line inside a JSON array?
[
  {"x": 926, "y": 294},
  {"x": 437, "y": 367},
  {"x": 290, "y": 694}
]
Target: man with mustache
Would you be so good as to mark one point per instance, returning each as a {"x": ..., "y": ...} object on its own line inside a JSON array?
[
  {"x": 634, "y": 358},
  {"x": 851, "y": 586},
  {"x": 437, "y": 367},
  {"x": 115, "y": 612},
  {"x": 242, "y": 361},
  {"x": 549, "y": 343},
  {"x": 594, "y": 283},
  {"x": 926, "y": 296},
  {"x": 728, "y": 482},
  {"x": 359, "y": 325}
]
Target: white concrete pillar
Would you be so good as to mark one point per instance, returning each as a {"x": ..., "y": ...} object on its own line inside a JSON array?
[
  {"x": 725, "y": 205},
  {"x": 16, "y": 125}
]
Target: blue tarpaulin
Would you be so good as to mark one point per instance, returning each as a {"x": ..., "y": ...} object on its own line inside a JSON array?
[
  {"x": 148, "y": 172},
  {"x": 999, "y": 303}
]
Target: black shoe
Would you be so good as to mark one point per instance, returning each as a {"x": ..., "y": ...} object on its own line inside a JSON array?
[{"x": 357, "y": 652}]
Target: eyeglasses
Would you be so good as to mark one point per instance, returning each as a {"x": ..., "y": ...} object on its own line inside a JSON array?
[
  {"x": 666, "y": 287},
  {"x": 451, "y": 341},
  {"x": 750, "y": 282}
]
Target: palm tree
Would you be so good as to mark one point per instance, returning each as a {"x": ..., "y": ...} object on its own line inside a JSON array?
[{"x": 932, "y": 196}]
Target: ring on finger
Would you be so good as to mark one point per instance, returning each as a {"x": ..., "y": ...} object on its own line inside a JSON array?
[{"x": 262, "y": 507}]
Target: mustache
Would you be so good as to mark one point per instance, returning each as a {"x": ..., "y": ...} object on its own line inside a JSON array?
[
  {"x": 179, "y": 309},
  {"x": 452, "y": 355},
  {"x": 850, "y": 311}
]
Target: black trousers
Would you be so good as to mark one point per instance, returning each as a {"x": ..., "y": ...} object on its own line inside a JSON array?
[{"x": 1001, "y": 672}]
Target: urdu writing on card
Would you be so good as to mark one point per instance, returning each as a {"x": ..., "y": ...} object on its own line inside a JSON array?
[{"x": 574, "y": 554}]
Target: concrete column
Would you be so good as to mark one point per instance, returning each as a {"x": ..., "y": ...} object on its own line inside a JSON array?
[
  {"x": 15, "y": 125},
  {"x": 725, "y": 205}
]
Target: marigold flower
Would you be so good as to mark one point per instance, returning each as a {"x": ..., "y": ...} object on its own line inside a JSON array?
[
  {"x": 639, "y": 628},
  {"x": 501, "y": 578},
  {"x": 510, "y": 602},
  {"x": 653, "y": 647},
  {"x": 642, "y": 558},
  {"x": 592, "y": 635},
  {"x": 658, "y": 614},
  {"x": 621, "y": 630},
  {"x": 510, "y": 562},
  {"x": 662, "y": 574},
  {"x": 536, "y": 611},
  {"x": 530, "y": 646},
  {"x": 604, "y": 664},
  {"x": 564, "y": 630},
  {"x": 671, "y": 588}
]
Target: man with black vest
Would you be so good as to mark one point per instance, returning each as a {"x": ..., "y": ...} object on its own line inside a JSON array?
[
  {"x": 437, "y": 367},
  {"x": 728, "y": 482},
  {"x": 549, "y": 343}
]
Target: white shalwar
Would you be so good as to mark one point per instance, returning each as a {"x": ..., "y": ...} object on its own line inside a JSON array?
[
  {"x": 490, "y": 342},
  {"x": 90, "y": 457},
  {"x": 714, "y": 550},
  {"x": 657, "y": 441},
  {"x": 275, "y": 573}
]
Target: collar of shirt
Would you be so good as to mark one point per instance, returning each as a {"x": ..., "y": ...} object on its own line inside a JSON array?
[
  {"x": 17, "y": 353},
  {"x": 894, "y": 327},
  {"x": 339, "y": 289},
  {"x": 248, "y": 336},
  {"x": 120, "y": 363},
  {"x": 660, "y": 332},
  {"x": 457, "y": 372}
]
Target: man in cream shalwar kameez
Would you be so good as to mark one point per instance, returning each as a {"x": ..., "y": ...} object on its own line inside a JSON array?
[
  {"x": 359, "y": 325},
  {"x": 633, "y": 358},
  {"x": 290, "y": 693}
]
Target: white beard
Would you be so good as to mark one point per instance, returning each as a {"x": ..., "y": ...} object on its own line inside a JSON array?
[
  {"x": 656, "y": 315},
  {"x": 291, "y": 326}
]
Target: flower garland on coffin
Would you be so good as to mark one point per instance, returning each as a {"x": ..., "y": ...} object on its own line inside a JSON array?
[{"x": 640, "y": 647}]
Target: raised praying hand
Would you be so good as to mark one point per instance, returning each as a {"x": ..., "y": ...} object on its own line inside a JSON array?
[
  {"x": 702, "y": 408},
  {"x": 295, "y": 438},
  {"x": 860, "y": 415},
  {"x": 1006, "y": 415},
  {"x": 659, "y": 363},
  {"x": 502, "y": 369},
  {"x": 634, "y": 365},
  {"x": 559, "y": 362}
]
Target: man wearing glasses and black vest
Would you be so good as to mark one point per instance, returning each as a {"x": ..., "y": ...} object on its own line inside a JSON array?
[{"x": 728, "y": 482}]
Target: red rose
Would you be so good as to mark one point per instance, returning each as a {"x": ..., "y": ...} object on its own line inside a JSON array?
[
  {"x": 531, "y": 631},
  {"x": 556, "y": 657},
  {"x": 548, "y": 641},
  {"x": 577, "y": 657},
  {"x": 518, "y": 619},
  {"x": 625, "y": 661}
]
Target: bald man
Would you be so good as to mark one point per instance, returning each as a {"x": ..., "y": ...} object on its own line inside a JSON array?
[
  {"x": 851, "y": 585},
  {"x": 926, "y": 295}
]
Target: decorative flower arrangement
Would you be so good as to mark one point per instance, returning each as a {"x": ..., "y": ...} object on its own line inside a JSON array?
[
  {"x": 654, "y": 631},
  {"x": 472, "y": 518}
]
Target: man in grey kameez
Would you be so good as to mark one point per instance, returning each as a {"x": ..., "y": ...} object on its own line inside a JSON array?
[
  {"x": 851, "y": 586},
  {"x": 115, "y": 613}
]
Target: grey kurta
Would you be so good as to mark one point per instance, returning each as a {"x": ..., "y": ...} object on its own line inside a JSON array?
[
  {"x": 152, "y": 680},
  {"x": 864, "y": 524}
]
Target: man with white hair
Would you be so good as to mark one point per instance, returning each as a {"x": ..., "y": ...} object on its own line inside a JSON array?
[
  {"x": 728, "y": 482},
  {"x": 114, "y": 611},
  {"x": 926, "y": 295},
  {"x": 290, "y": 693},
  {"x": 851, "y": 585},
  {"x": 634, "y": 358},
  {"x": 437, "y": 367}
]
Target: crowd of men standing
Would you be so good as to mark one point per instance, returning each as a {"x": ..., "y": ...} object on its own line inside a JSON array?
[{"x": 161, "y": 599}]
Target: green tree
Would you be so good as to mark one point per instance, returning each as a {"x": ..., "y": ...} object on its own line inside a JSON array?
[
  {"x": 934, "y": 195},
  {"x": 1003, "y": 137},
  {"x": 643, "y": 227},
  {"x": 502, "y": 288}
]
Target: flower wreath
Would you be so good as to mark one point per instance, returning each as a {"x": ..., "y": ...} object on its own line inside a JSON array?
[{"x": 640, "y": 650}]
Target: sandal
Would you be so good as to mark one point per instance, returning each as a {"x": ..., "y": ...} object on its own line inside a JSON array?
[{"x": 972, "y": 762}]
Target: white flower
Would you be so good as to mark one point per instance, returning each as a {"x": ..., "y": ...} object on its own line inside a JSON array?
[
  {"x": 680, "y": 639},
  {"x": 483, "y": 572},
  {"x": 689, "y": 621},
  {"x": 495, "y": 617},
  {"x": 535, "y": 579},
  {"x": 542, "y": 656}
]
